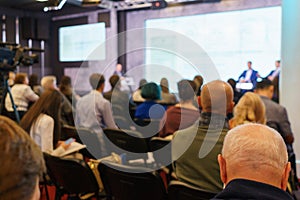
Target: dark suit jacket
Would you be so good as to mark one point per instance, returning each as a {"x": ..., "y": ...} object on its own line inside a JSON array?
[
  {"x": 246, "y": 189},
  {"x": 276, "y": 115}
]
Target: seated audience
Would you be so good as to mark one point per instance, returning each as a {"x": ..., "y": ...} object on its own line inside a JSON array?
[
  {"x": 166, "y": 96},
  {"x": 21, "y": 161},
  {"x": 118, "y": 99},
  {"x": 49, "y": 83},
  {"x": 137, "y": 96},
  {"x": 250, "y": 109},
  {"x": 195, "y": 149},
  {"x": 65, "y": 87},
  {"x": 34, "y": 84},
  {"x": 22, "y": 95},
  {"x": 236, "y": 94},
  {"x": 150, "y": 109},
  {"x": 42, "y": 122},
  {"x": 93, "y": 111},
  {"x": 183, "y": 114},
  {"x": 115, "y": 95},
  {"x": 254, "y": 164}
]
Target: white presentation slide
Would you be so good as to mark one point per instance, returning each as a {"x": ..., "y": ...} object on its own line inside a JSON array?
[
  {"x": 230, "y": 39},
  {"x": 82, "y": 42}
]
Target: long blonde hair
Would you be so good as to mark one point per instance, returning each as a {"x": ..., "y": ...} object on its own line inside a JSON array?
[{"x": 250, "y": 108}]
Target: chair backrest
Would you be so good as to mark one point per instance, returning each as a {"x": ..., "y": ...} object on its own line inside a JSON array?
[
  {"x": 131, "y": 183},
  {"x": 122, "y": 122},
  {"x": 147, "y": 127},
  {"x": 127, "y": 140},
  {"x": 72, "y": 175},
  {"x": 182, "y": 191},
  {"x": 161, "y": 149},
  {"x": 83, "y": 136},
  {"x": 92, "y": 141},
  {"x": 69, "y": 132}
]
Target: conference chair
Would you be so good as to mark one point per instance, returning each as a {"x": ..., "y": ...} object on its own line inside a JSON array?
[
  {"x": 83, "y": 136},
  {"x": 181, "y": 191},
  {"x": 148, "y": 127},
  {"x": 71, "y": 176},
  {"x": 161, "y": 149},
  {"x": 123, "y": 182},
  {"x": 124, "y": 141},
  {"x": 68, "y": 131}
]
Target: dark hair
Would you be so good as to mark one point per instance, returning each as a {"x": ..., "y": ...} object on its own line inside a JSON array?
[
  {"x": 151, "y": 91},
  {"x": 49, "y": 103},
  {"x": 250, "y": 62},
  {"x": 278, "y": 61},
  {"x": 65, "y": 85},
  {"x": 263, "y": 84},
  {"x": 21, "y": 162},
  {"x": 33, "y": 80},
  {"x": 186, "y": 89},
  {"x": 96, "y": 80},
  {"x": 20, "y": 78},
  {"x": 142, "y": 83},
  {"x": 113, "y": 80},
  {"x": 232, "y": 82}
]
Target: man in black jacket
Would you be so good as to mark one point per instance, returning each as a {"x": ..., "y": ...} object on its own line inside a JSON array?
[{"x": 254, "y": 164}]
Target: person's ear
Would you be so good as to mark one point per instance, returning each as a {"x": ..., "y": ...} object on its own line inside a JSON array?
[
  {"x": 285, "y": 176},
  {"x": 223, "y": 172}
]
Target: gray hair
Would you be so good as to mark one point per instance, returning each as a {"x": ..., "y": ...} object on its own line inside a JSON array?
[
  {"x": 48, "y": 81},
  {"x": 256, "y": 146}
]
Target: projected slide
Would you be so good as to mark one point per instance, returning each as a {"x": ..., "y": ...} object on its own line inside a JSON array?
[
  {"x": 230, "y": 39},
  {"x": 82, "y": 42}
]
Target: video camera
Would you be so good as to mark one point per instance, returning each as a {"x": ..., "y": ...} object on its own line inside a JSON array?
[{"x": 12, "y": 55}]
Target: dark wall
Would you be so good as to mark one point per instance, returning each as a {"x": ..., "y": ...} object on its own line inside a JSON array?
[{"x": 28, "y": 28}]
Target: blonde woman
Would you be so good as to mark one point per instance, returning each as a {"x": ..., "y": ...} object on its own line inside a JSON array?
[{"x": 250, "y": 109}]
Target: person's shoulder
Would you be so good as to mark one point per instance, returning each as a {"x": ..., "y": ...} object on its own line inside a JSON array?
[{"x": 45, "y": 118}]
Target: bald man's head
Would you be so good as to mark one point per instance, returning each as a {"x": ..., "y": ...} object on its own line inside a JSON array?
[
  {"x": 217, "y": 97},
  {"x": 255, "y": 152}
]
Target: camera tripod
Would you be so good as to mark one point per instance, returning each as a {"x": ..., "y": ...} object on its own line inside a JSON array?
[{"x": 4, "y": 90}]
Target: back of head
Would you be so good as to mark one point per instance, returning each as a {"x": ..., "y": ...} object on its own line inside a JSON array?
[
  {"x": 256, "y": 152},
  {"x": 250, "y": 108},
  {"x": 96, "y": 80},
  {"x": 20, "y": 78},
  {"x": 142, "y": 83},
  {"x": 21, "y": 162},
  {"x": 198, "y": 80},
  {"x": 164, "y": 85},
  {"x": 151, "y": 91},
  {"x": 263, "y": 84},
  {"x": 33, "y": 80},
  {"x": 217, "y": 97},
  {"x": 66, "y": 80},
  {"x": 48, "y": 82},
  {"x": 186, "y": 90},
  {"x": 232, "y": 82},
  {"x": 114, "y": 80}
]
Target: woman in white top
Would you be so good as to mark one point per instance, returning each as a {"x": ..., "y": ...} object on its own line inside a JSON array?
[
  {"x": 22, "y": 95},
  {"x": 42, "y": 121}
]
